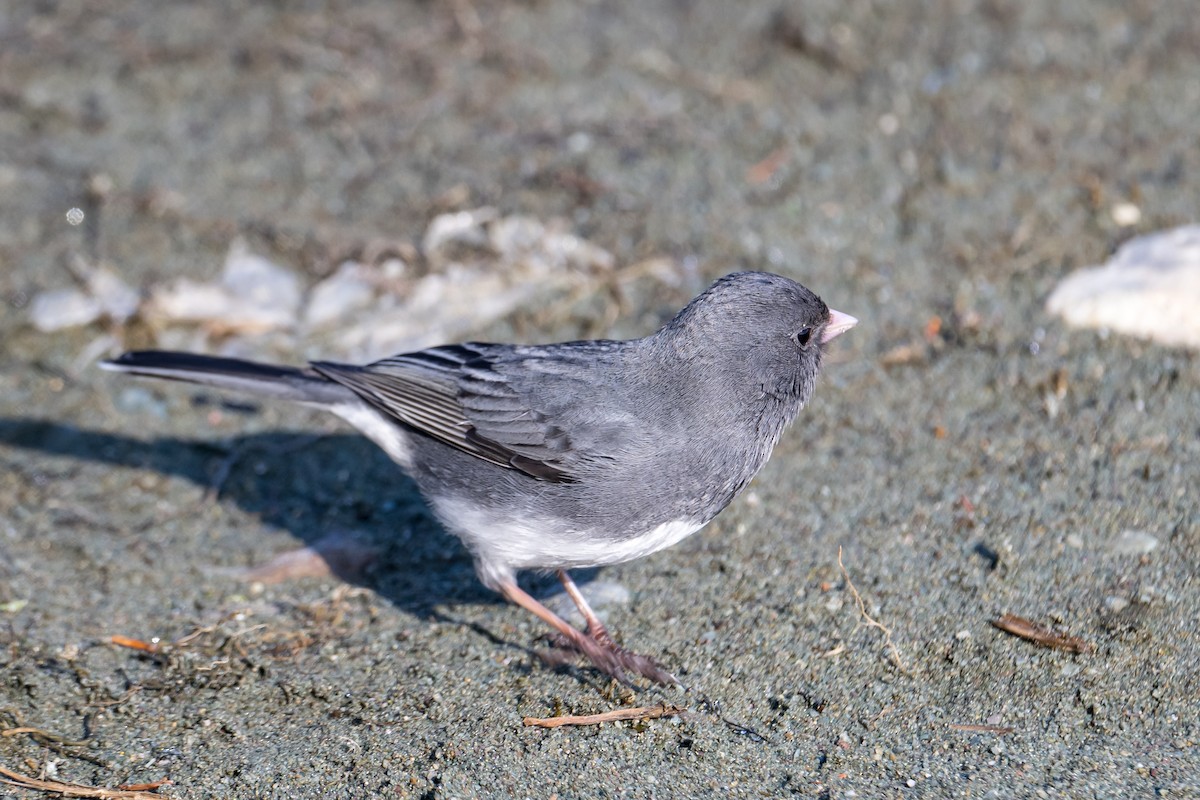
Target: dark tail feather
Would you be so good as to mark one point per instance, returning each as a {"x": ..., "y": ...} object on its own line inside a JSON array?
[{"x": 267, "y": 380}]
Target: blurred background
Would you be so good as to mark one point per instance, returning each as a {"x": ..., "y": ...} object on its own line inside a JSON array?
[{"x": 349, "y": 180}]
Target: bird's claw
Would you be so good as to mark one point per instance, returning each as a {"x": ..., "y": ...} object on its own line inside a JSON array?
[{"x": 617, "y": 662}]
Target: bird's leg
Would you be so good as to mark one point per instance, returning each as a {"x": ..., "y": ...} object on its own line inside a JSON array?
[
  {"x": 595, "y": 628},
  {"x": 608, "y": 657},
  {"x": 642, "y": 665},
  {"x": 601, "y": 656}
]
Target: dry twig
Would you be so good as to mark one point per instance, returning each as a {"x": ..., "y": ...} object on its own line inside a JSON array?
[
  {"x": 152, "y": 648},
  {"x": 144, "y": 787},
  {"x": 893, "y": 650},
  {"x": 1041, "y": 634},
  {"x": 58, "y": 743},
  {"x": 80, "y": 789},
  {"x": 617, "y": 715}
]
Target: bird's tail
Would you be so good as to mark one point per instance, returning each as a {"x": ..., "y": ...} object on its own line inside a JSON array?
[{"x": 264, "y": 380}]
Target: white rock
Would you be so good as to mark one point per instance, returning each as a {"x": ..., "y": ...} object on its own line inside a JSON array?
[
  {"x": 118, "y": 300},
  {"x": 253, "y": 296},
  {"x": 57, "y": 309},
  {"x": 257, "y": 282},
  {"x": 1126, "y": 214},
  {"x": 513, "y": 262},
  {"x": 444, "y": 307},
  {"x": 1133, "y": 543},
  {"x": 516, "y": 236},
  {"x": 545, "y": 247},
  {"x": 1116, "y": 604},
  {"x": 1150, "y": 288},
  {"x": 185, "y": 300},
  {"x": 457, "y": 228},
  {"x": 573, "y": 251},
  {"x": 347, "y": 290},
  {"x": 105, "y": 295}
]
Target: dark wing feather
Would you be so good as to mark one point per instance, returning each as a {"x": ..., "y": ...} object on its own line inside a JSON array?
[{"x": 456, "y": 395}]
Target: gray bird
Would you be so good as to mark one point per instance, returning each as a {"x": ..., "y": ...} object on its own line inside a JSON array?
[{"x": 578, "y": 454}]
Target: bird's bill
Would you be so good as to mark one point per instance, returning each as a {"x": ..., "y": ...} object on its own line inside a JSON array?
[{"x": 839, "y": 323}]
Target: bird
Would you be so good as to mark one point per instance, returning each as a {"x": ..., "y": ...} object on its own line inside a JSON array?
[{"x": 576, "y": 454}]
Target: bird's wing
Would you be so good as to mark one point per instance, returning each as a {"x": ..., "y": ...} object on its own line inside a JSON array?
[{"x": 511, "y": 406}]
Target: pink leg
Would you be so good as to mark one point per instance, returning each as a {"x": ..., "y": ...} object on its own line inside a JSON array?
[
  {"x": 595, "y": 628},
  {"x": 606, "y": 655}
]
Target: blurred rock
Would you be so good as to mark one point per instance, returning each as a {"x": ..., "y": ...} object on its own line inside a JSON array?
[
  {"x": 255, "y": 282},
  {"x": 520, "y": 238},
  {"x": 448, "y": 234},
  {"x": 442, "y": 307},
  {"x": 347, "y": 290},
  {"x": 509, "y": 263},
  {"x": 104, "y": 295},
  {"x": 118, "y": 300},
  {"x": 1150, "y": 289},
  {"x": 1133, "y": 543},
  {"x": 1115, "y": 604},
  {"x": 254, "y": 295},
  {"x": 188, "y": 301},
  {"x": 481, "y": 267},
  {"x": 342, "y": 554},
  {"x": 57, "y": 309}
]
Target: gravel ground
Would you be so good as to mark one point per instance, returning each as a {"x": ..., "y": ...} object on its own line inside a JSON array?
[{"x": 933, "y": 168}]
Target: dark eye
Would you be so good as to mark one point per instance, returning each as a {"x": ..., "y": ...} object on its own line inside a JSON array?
[{"x": 802, "y": 336}]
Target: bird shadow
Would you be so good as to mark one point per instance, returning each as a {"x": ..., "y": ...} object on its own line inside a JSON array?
[{"x": 312, "y": 486}]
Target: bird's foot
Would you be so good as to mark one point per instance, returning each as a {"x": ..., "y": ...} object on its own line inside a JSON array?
[
  {"x": 616, "y": 661},
  {"x": 596, "y": 644}
]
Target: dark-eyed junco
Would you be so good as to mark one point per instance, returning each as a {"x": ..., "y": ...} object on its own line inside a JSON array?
[{"x": 577, "y": 454}]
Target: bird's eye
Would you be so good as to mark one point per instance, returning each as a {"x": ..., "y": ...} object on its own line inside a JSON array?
[{"x": 802, "y": 336}]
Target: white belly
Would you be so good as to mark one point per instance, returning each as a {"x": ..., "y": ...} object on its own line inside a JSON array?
[{"x": 501, "y": 548}]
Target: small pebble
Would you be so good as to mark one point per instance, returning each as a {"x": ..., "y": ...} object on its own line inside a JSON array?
[
  {"x": 1133, "y": 543},
  {"x": 118, "y": 300},
  {"x": 254, "y": 295},
  {"x": 459, "y": 228},
  {"x": 255, "y": 281},
  {"x": 1126, "y": 214},
  {"x": 345, "y": 291},
  {"x": 58, "y": 309},
  {"x": 519, "y": 238},
  {"x": 1115, "y": 605}
]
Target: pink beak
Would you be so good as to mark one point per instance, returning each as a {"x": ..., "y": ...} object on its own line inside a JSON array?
[{"x": 839, "y": 323}]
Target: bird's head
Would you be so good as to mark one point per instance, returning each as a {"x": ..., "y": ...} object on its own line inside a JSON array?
[{"x": 764, "y": 333}]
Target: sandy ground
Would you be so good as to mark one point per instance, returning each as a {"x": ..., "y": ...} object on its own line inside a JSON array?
[{"x": 911, "y": 162}]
